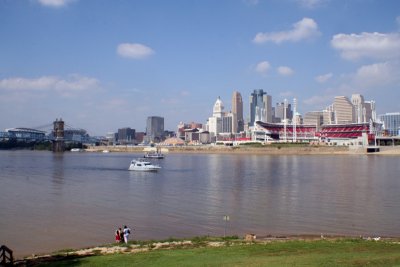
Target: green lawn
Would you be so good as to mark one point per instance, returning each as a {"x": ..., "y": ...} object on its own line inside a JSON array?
[{"x": 288, "y": 253}]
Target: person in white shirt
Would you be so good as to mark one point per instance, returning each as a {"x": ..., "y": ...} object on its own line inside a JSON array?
[{"x": 127, "y": 232}]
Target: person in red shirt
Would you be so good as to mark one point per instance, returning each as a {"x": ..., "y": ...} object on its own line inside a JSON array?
[{"x": 118, "y": 235}]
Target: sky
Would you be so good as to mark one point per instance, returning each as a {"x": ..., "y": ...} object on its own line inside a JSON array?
[{"x": 108, "y": 64}]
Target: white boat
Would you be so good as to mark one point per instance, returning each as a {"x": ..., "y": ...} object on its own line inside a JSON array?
[
  {"x": 142, "y": 165},
  {"x": 154, "y": 155},
  {"x": 77, "y": 150},
  {"x": 106, "y": 151}
]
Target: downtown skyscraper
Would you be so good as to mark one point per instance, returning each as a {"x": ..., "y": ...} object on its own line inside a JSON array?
[
  {"x": 154, "y": 129},
  {"x": 237, "y": 111},
  {"x": 260, "y": 107}
]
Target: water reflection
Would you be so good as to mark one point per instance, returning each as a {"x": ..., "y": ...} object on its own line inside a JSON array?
[
  {"x": 58, "y": 170},
  {"x": 76, "y": 200}
]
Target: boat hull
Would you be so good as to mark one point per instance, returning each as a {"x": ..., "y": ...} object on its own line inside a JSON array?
[
  {"x": 144, "y": 169},
  {"x": 143, "y": 166}
]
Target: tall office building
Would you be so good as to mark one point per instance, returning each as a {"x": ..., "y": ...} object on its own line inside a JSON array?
[
  {"x": 215, "y": 122},
  {"x": 126, "y": 136},
  {"x": 237, "y": 111},
  {"x": 391, "y": 123},
  {"x": 279, "y": 113},
  {"x": 327, "y": 117},
  {"x": 260, "y": 107},
  {"x": 370, "y": 111},
  {"x": 220, "y": 122},
  {"x": 343, "y": 110},
  {"x": 359, "y": 107},
  {"x": 313, "y": 118},
  {"x": 154, "y": 129}
]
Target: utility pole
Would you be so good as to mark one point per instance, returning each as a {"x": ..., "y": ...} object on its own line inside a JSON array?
[{"x": 226, "y": 219}]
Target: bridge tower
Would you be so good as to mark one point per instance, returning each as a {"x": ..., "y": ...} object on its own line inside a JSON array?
[{"x": 58, "y": 133}]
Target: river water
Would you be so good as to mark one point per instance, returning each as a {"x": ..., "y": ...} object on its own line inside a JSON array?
[{"x": 52, "y": 201}]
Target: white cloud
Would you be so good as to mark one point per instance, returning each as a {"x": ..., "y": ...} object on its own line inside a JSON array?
[
  {"x": 367, "y": 45},
  {"x": 311, "y": 4},
  {"x": 377, "y": 75},
  {"x": 73, "y": 83},
  {"x": 134, "y": 50},
  {"x": 263, "y": 67},
  {"x": 323, "y": 78},
  {"x": 304, "y": 29},
  {"x": 285, "y": 71},
  {"x": 55, "y": 3}
]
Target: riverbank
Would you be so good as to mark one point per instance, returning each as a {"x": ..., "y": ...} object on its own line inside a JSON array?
[
  {"x": 214, "y": 251},
  {"x": 274, "y": 149}
]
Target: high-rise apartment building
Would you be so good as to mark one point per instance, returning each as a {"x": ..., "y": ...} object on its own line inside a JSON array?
[
  {"x": 154, "y": 129},
  {"x": 237, "y": 111},
  {"x": 343, "y": 110},
  {"x": 260, "y": 107},
  {"x": 391, "y": 123}
]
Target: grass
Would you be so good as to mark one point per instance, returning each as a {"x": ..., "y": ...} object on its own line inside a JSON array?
[{"x": 345, "y": 252}]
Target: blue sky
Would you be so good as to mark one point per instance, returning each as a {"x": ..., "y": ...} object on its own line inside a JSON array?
[{"x": 103, "y": 65}]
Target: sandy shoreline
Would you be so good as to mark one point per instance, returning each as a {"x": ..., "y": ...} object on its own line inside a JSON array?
[
  {"x": 265, "y": 150},
  {"x": 132, "y": 248}
]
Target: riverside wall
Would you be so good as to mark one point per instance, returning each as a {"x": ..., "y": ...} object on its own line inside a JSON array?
[
  {"x": 267, "y": 150},
  {"x": 273, "y": 150}
]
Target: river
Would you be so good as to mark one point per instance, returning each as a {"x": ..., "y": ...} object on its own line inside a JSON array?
[{"x": 50, "y": 202}]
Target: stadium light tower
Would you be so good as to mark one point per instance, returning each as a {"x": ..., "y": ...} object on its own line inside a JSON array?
[
  {"x": 294, "y": 120},
  {"x": 284, "y": 119}
]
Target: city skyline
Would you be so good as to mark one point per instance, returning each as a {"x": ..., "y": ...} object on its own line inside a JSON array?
[{"x": 104, "y": 65}]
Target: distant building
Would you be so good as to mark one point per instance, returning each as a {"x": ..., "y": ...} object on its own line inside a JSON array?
[
  {"x": 111, "y": 138},
  {"x": 126, "y": 136},
  {"x": 227, "y": 123},
  {"x": 196, "y": 136},
  {"x": 168, "y": 134},
  {"x": 327, "y": 117},
  {"x": 237, "y": 111},
  {"x": 26, "y": 134},
  {"x": 344, "y": 110},
  {"x": 139, "y": 137},
  {"x": 313, "y": 118},
  {"x": 370, "y": 111},
  {"x": 196, "y": 125},
  {"x": 215, "y": 122},
  {"x": 279, "y": 112},
  {"x": 260, "y": 107},
  {"x": 359, "y": 107},
  {"x": 221, "y": 122},
  {"x": 155, "y": 129},
  {"x": 391, "y": 123}
]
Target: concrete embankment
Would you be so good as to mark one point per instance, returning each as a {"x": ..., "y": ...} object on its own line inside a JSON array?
[
  {"x": 261, "y": 150},
  {"x": 267, "y": 150}
]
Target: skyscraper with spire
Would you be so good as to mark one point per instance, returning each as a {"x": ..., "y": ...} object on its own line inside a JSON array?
[
  {"x": 260, "y": 107},
  {"x": 237, "y": 111}
]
